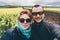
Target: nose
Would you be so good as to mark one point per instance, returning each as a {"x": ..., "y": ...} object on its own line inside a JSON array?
[
  {"x": 38, "y": 15},
  {"x": 25, "y": 21}
]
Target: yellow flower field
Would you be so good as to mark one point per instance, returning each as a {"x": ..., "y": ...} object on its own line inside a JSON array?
[
  {"x": 5, "y": 11},
  {"x": 52, "y": 9}
]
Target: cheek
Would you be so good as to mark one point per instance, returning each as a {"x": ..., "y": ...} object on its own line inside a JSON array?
[
  {"x": 28, "y": 23},
  {"x": 21, "y": 23},
  {"x": 34, "y": 17}
]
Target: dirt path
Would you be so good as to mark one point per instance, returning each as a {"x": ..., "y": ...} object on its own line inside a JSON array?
[{"x": 52, "y": 17}]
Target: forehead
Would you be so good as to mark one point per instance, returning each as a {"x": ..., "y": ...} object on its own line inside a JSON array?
[
  {"x": 37, "y": 9},
  {"x": 24, "y": 16}
]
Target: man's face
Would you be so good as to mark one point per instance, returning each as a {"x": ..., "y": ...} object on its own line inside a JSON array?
[{"x": 37, "y": 13}]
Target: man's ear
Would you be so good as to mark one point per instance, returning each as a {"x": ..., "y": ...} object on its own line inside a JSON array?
[{"x": 43, "y": 15}]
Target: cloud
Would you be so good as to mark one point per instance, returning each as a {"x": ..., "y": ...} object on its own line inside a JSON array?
[
  {"x": 33, "y": 2},
  {"x": 9, "y": 2},
  {"x": 27, "y": 2}
]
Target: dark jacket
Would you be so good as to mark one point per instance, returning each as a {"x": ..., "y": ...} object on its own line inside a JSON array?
[
  {"x": 46, "y": 31},
  {"x": 40, "y": 31}
]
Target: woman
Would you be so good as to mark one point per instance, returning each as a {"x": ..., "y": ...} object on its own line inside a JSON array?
[{"x": 22, "y": 31}]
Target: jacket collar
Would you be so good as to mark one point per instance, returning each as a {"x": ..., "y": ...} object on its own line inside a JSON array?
[{"x": 38, "y": 23}]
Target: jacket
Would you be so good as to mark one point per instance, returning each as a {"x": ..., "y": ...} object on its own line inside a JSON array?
[
  {"x": 40, "y": 31},
  {"x": 46, "y": 31}
]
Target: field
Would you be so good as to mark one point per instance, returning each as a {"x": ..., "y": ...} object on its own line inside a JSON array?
[
  {"x": 6, "y": 11},
  {"x": 52, "y": 9},
  {"x": 8, "y": 17}
]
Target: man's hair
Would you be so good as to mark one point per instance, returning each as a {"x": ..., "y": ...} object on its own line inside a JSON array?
[{"x": 36, "y": 5}]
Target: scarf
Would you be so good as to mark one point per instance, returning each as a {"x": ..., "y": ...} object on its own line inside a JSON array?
[{"x": 25, "y": 32}]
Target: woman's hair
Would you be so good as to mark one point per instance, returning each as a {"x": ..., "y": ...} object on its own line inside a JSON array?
[{"x": 24, "y": 11}]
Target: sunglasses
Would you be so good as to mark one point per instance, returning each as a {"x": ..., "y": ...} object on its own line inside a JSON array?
[
  {"x": 35, "y": 13},
  {"x": 27, "y": 20}
]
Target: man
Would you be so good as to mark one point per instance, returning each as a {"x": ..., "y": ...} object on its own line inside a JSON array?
[{"x": 42, "y": 29}]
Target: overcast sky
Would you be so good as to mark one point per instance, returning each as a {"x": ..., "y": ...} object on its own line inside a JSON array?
[{"x": 26, "y": 2}]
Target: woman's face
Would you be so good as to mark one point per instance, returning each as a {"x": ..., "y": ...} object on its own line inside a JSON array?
[{"x": 25, "y": 21}]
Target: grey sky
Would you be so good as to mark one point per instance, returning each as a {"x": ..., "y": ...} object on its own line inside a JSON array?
[{"x": 27, "y": 2}]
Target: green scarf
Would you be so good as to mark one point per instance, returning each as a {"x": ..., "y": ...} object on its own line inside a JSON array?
[{"x": 25, "y": 32}]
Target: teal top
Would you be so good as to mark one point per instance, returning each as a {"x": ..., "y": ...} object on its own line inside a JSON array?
[{"x": 25, "y": 32}]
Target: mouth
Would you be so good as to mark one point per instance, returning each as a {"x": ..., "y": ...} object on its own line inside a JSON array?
[
  {"x": 25, "y": 25},
  {"x": 38, "y": 18}
]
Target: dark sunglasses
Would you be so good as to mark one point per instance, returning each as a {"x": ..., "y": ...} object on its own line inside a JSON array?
[
  {"x": 22, "y": 20},
  {"x": 35, "y": 13}
]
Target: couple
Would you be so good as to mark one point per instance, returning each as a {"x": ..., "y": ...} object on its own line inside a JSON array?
[{"x": 38, "y": 30}]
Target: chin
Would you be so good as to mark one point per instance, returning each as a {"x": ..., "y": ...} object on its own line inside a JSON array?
[
  {"x": 25, "y": 27},
  {"x": 38, "y": 21}
]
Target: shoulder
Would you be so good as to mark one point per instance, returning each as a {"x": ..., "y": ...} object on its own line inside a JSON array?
[
  {"x": 51, "y": 24},
  {"x": 9, "y": 30},
  {"x": 7, "y": 35},
  {"x": 54, "y": 27}
]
